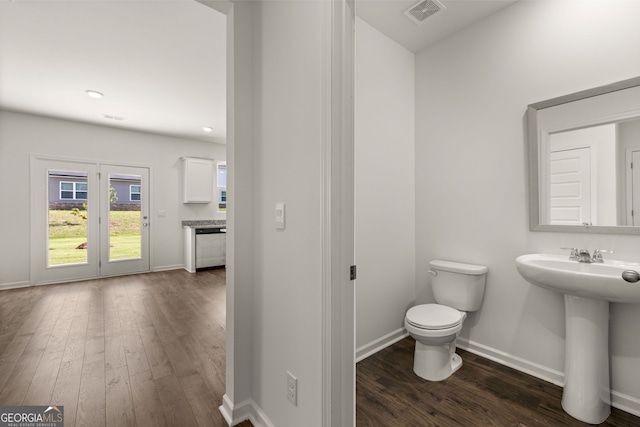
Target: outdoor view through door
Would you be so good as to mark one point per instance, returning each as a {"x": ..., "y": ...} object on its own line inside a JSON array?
[
  {"x": 91, "y": 220},
  {"x": 67, "y": 217},
  {"x": 69, "y": 211},
  {"x": 125, "y": 222}
]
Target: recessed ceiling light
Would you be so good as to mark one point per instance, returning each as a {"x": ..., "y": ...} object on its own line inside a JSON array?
[
  {"x": 113, "y": 117},
  {"x": 207, "y": 129},
  {"x": 94, "y": 94}
]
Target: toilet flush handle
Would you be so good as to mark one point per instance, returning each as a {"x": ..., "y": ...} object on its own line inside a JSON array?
[{"x": 434, "y": 273}]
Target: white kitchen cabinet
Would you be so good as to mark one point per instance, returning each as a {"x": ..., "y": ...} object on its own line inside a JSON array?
[{"x": 199, "y": 180}]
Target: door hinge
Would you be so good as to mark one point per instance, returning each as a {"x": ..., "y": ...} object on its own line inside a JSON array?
[
  {"x": 352, "y": 272},
  {"x": 631, "y": 165},
  {"x": 100, "y": 264}
]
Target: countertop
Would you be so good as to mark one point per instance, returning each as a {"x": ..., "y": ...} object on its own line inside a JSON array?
[{"x": 205, "y": 223}]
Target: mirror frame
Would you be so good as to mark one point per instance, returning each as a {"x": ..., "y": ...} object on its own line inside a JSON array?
[{"x": 534, "y": 161}]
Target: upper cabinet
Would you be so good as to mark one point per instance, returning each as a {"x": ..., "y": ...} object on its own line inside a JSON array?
[{"x": 199, "y": 180}]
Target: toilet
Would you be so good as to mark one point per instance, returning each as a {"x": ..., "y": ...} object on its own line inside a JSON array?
[{"x": 458, "y": 288}]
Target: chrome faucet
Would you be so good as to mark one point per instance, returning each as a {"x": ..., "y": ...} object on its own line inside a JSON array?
[
  {"x": 584, "y": 256},
  {"x": 597, "y": 255},
  {"x": 574, "y": 253}
]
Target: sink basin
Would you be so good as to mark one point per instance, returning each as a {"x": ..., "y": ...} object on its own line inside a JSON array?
[
  {"x": 599, "y": 281},
  {"x": 588, "y": 289}
]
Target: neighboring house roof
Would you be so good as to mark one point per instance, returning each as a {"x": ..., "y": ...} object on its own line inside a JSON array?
[{"x": 70, "y": 174}]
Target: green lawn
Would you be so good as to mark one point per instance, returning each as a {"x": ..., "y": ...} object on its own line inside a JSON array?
[{"x": 68, "y": 231}]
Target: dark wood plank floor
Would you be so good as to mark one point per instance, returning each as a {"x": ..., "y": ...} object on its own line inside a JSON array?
[
  {"x": 140, "y": 350},
  {"x": 482, "y": 393}
]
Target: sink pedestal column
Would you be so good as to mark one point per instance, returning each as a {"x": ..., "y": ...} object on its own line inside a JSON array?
[{"x": 586, "y": 395}]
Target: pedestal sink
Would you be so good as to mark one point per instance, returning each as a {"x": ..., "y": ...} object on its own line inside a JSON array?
[{"x": 587, "y": 289}]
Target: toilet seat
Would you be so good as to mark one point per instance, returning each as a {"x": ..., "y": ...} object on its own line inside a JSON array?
[{"x": 434, "y": 317}]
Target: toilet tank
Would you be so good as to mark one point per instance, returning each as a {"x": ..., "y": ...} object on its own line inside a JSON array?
[{"x": 458, "y": 285}]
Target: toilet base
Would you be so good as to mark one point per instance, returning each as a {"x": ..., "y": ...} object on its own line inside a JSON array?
[{"x": 435, "y": 362}]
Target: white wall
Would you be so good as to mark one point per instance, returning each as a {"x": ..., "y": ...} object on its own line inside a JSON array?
[
  {"x": 385, "y": 187},
  {"x": 471, "y": 170},
  {"x": 22, "y": 135},
  {"x": 287, "y": 141}
]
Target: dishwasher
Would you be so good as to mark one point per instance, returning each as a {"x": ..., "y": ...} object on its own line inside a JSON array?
[{"x": 211, "y": 247}]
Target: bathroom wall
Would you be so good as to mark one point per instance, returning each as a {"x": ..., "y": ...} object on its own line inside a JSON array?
[
  {"x": 22, "y": 135},
  {"x": 385, "y": 187},
  {"x": 471, "y": 171}
]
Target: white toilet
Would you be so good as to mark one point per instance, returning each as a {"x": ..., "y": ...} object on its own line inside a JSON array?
[{"x": 458, "y": 288}]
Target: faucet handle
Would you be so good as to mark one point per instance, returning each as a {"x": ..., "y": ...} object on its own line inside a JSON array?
[
  {"x": 574, "y": 253},
  {"x": 597, "y": 255}
]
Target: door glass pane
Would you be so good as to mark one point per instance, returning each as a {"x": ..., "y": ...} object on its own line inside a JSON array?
[
  {"x": 125, "y": 223},
  {"x": 67, "y": 217}
]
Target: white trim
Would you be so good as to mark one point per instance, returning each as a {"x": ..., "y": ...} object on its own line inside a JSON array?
[
  {"x": 338, "y": 305},
  {"x": 625, "y": 403},
  {"x": 167, "y": 267},
  {"x": 226, "y": 409},
  {"x": 628, "y": 180},
  {"x": 131, "y": 192},
  {"x": 245, "y": 410},
  {"x": 381, "y": 343},
  {"x": 73, "y": 191},
  {"x": 325, "y": 227},
  {"x": 15, "y": 285},
  {"x": 622, "y": 401},
  {"x": 515, "y": 362}
]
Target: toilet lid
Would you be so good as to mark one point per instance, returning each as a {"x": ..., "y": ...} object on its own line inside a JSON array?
[{"x": 433, "y": 316}]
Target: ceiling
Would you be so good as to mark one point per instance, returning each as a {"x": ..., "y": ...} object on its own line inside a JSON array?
[
  {"x": 161, "y": 64},
  {"x": 387, "y": 16}
]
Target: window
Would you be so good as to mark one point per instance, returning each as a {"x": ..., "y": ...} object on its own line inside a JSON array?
[
  {"x": 73, "y": 190},
  {"x": 222, "y": 186},
  {"x": 134, "y": 192}
]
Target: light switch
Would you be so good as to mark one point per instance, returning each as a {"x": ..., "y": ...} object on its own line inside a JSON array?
[{"x": 280, "y": 216}]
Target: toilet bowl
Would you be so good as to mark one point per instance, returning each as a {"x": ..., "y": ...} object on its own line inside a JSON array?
[
  {"x": 435, "y": 328},
  {"x": 458, "y": 288}
]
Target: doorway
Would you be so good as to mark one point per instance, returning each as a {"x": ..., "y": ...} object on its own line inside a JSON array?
[{"x": 88, "y": 220}]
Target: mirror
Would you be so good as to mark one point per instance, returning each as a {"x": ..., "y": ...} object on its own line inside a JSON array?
[{"x": 582, "y": 152}]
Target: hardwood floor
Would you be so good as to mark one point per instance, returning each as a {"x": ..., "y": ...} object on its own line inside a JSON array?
[
  {"x": 140, "y": 350},
  {"x": 149, "y": 350},
  {"x": 482, "y": 393}
]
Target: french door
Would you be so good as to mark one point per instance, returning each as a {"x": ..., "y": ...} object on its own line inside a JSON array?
[{"x": 88, "y": 220}]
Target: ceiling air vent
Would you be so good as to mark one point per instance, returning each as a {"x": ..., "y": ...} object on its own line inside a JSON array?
[{"x": 420, "y": 11}]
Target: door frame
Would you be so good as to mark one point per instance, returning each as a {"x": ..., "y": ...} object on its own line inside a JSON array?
[
  {"x": 36, "y": 216},
  {"x": 39, "y": 230},
  {"x": 628, "y": 178},
  {"x": 136, "y": 265}
]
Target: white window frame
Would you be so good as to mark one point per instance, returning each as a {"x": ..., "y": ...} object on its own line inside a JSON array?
[
  {"x": 74, "y": 191},
  {"x": 221, "y": 188},
  {"x": 131, "y": 192}
]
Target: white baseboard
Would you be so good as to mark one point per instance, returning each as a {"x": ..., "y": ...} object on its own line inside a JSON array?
[
  {"x": 375, "y": 346},
  {"x": 625, "y": 403},
  {"x": 517, "y": 363},
  {"x": 246, "y": 410},
  {"x": 167, "y": 267},
  {"x": 622, "y": 401},
  {"x": 26, "y": 283},
  {"x": 15, "y": 285}
]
